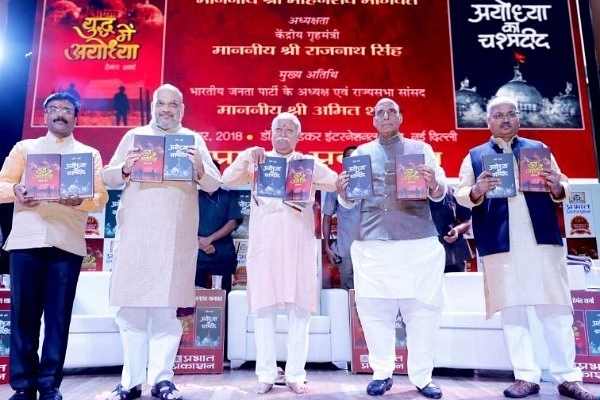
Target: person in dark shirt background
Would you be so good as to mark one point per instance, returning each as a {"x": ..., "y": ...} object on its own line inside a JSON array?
[
  {"x": 452, "y": 221},
  {"x": 221, "y": 215}
]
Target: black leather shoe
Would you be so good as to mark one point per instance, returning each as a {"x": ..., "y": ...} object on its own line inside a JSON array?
[
  {"x": 378, "y": 387},
  {"x": 50, "y": 394},
  {"x": 431, "y": 391},
  {"x": 23, "y": 394}
]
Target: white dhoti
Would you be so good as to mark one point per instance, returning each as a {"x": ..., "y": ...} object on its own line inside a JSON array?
[
  {"x": 405, "y": 275},
  {"x": 557, "y": 323},
  {"x": 150, "y": 339}
]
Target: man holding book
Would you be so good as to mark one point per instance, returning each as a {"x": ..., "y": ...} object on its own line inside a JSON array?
[
  {"x": 282, "y": 250},
  {"x": 398, "y": 260},
  {"x": 47, "y": 246},
  {"x": 156, "y": 243},
  {"x": 520, "y": 244}
]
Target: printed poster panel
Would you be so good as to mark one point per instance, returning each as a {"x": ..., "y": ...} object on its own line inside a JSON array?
[
  {"x": 586, "y": 328},
  {"x": 327, "y": 62},
  {"x": 201, "y": 349},
  {"x": 5, "y": 330},
  {"x": 579, "y": 214}
]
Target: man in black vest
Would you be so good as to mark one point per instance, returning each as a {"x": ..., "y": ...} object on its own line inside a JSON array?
[{"x": 520, "y": 245}]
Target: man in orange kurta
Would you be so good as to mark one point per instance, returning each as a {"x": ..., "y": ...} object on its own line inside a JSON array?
[{"x": 282, "y": 257}]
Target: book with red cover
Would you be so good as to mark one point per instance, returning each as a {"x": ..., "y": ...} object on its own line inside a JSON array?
[
  {"x": 42, "y": 176},
  {"x": 178, "y": 166},
  {"x": 77, "y": 175},
  {"x": 360, "y": 184},
  {"x": 531, "y": 163},
  {"x": 501, "y": 166},
  {"x": 298, "y": 182},
  {"x": 410, "y": 184},
  {"x": 150, "y": 167},
  {"x": 201, "y": 348}
]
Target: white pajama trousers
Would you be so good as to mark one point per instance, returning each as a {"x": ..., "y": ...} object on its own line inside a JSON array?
[
  {"x": 378, "y": 320},
  {"x": 297, "y": 343},
  {"x": 557, "y": 322},
  {"x": 150, "y": 338}
]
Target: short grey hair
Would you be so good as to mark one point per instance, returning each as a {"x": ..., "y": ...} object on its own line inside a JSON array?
[
  {"x": 496, "y": 101},
  {"x": 286, "y": 116},
  {"x": 168, "y": 87}
]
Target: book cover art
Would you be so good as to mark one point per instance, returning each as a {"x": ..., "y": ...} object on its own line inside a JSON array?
[
  {"x": 93, "y": 260},
  {"x": 410, "y": 184},
  {"x": 110, "y": 216},
  {"x": 178, "y": 167},
  {"x": 298, "y": 182},
  {"x": 42, "y": 176},
  {"x": 501, "y": 166},
  {"x": 359, "y": 170},
  {"x": 208, "y": 327},
  {"x": 4, "y": 333},
  {"x": 150, "y": 167},
  {"x": 580, "y": 334},
  {"x": 269, "y": 177},
  {"x": 94, "y": 226},
  {"x": 532, "y": 161},
  {"x": 188, "y": 326},
  {"x": 77, "y": 175}
]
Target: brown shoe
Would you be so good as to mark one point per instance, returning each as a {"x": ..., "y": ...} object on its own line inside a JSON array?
[
  {"x": 575, "y": 390},
  {"x": 521, "y": 389}
]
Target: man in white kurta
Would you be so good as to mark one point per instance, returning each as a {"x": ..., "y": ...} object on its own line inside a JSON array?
[
  {"x": 527, "y": 270},
  {"x": 155, "y": 252},
  {"x": 282, "y": 257},
  {"x": 398, "y": 260}
]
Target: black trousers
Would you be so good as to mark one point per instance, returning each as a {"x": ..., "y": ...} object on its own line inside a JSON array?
[{"x": 42, "y": 280}]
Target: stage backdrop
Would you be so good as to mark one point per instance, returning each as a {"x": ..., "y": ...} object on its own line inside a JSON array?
[{"x": 241, "y": 62}]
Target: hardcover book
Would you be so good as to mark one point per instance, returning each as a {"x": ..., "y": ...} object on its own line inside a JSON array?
[
  {"x": 208, "y": 327},
  {"x": 298, "y": 182},
  {"x": 110, "y": 217},
  {"x": 150, "y": 167},
  {"x": 42, "y": 176},
  {"x": 178, "y": 166},
  {"x": 501, "y": 166},
  {"x": 410, "y": 184},
  {"x": 49, "y": 176},
  {"x": 359, "y": 170},
  {"x": 531, "y": 163},
  {"x": 269, "y": 177},
  {"x": 77, "y": 175}
]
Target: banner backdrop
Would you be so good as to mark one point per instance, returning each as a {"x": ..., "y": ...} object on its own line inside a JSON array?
[{"x": 241, "y": 62}]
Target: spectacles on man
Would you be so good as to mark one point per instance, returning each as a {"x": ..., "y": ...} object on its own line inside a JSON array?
[
  {"x": 510, "y": 115},
  {"x": 58, "y": 110}
]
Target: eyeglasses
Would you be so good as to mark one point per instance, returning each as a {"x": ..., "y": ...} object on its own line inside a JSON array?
[
  {"x": 509, "y": 115},
  {"x": 58, "y": 110},
  {"x": 172, "y": 104},
  {"x": 391, "y": 113}
]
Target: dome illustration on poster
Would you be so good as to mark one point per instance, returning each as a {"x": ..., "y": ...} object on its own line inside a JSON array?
[{"x": 501, "y": 49}]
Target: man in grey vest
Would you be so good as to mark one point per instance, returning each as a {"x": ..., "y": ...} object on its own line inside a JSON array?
[{"x": 398, "y": 260}]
